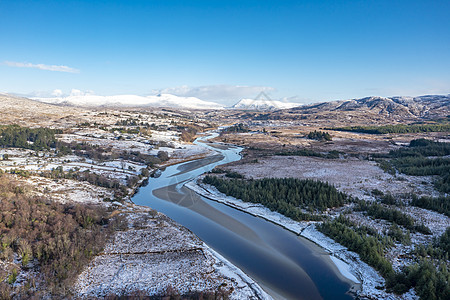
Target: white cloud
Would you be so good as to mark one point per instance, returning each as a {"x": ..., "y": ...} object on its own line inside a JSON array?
[
  {"x": 221, "y": 93},
  {"x": 75, "y": 92},
  {"x": 57, "y": 93},
  {"x": 54, "y": 68},
  {"x": 82, "y": 93}
]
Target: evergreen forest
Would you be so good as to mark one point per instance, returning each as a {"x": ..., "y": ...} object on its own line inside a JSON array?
[{"x": 288, "y": 196}]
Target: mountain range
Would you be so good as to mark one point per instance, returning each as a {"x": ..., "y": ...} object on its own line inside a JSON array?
[
  {"x": 161, "y": 100},
  {"x": 263, "y": 105},
  {"x": 429, "y": 106}
]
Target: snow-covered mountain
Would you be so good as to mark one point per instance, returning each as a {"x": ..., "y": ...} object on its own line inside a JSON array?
[
  {"x": 429, "y": 106},
  {"x": 161, "y": 100},
  {"x": 251, "y": 104}
]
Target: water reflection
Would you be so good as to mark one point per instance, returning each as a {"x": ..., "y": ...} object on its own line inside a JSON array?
[{"x": 285, "y": 265}]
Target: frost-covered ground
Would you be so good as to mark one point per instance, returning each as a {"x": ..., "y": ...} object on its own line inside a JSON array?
[
  {"x": 155, "y": 253},
  {"x": 371, "y": 281},
  {"x": 26, "y": 160},
  {"x": 437, "y": 222},
  {"x": 400, "y": 255},
  {"x": 132, "y": 142},
  {"x": 117, "y": 169},
  {"x": 353, "y": 176},
  {"x": 348, "y": 263},
  {"x": 67, "y": 190}
]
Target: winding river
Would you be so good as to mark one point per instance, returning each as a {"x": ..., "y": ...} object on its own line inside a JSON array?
[{"x": 285, "y": 265}]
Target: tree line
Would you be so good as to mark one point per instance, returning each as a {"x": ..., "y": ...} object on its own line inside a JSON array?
[
  {"x": 439, "y": 204},
  {"x": 287, "y": 196},
  {"x": 28, "y": 138},
  {"x": 62, "y": 238},
  {"x": 120, "y": 190},
  {"x": 319, "y": 135},
  {"x": 422, "y": 147},
  {"x": 399, "y": 128},
  {"x": 428, "y": 276},
  {"x": 379, "y": 211},
  {"x": 99, "y": 153},
  {"x": 236, "y": 128},
  {"x": 421, "y": 158},
  {"x": 429, "y": 279},
  {"x": 333, "y": 154},
  {"x": 371, "y": 249},
  {"x": 228, "y": 173},
  {"x": 42, "y": 138}
]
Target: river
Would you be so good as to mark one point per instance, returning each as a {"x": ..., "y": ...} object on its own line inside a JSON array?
[{"x": 285, "y": 265}]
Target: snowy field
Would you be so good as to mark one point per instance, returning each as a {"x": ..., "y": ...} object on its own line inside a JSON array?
[
  {"x": 67, "y": 190},
  {"x": 353, "y": 176},
  {"x": 156, "y": 253},
  {"x": 117, "y": 169}
]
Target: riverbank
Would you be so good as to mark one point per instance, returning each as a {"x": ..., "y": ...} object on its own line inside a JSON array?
[
  {"x": 349, "y": 265},
  {"x": 256, "y": 210},
  {"x": 154, "y": 255}
]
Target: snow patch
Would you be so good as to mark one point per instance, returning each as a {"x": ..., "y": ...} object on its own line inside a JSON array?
[
  {"x": 161, "y": 100},
  {"x": 344, "y": 269},
  {"x": 251, "y": 104}
]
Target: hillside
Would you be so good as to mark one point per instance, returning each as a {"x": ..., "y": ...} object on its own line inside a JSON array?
[
  {"x": 364, "y": 111},
  {"x": 18, "y": 110},
  {"x": 424, "y": 106},
  {"x": 161, "y": 100},
  {"x": 263, "y": 105}
]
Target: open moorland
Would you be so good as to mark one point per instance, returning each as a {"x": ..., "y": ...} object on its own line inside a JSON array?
[
  {"x": 82, "y": 166},
  {"x": 375, "y": 197},
  {"x": 394, "y": 174}
]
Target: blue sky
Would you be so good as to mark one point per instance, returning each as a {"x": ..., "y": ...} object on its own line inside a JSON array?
[{"x": 305, "y": 51}]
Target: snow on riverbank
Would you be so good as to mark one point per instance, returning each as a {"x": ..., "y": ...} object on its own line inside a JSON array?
[
  {"x": 258, "y": 210},
  {"x": 344, "y": 269},
  {"x": 370, "y": 280},
  {"x": 155, "y": 254},
  {"x": 246, "y": 288},
  {"x": 348, "y": 263}
]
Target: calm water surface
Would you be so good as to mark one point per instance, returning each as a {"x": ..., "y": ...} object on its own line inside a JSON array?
[{"x": 285, "y": 265}]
